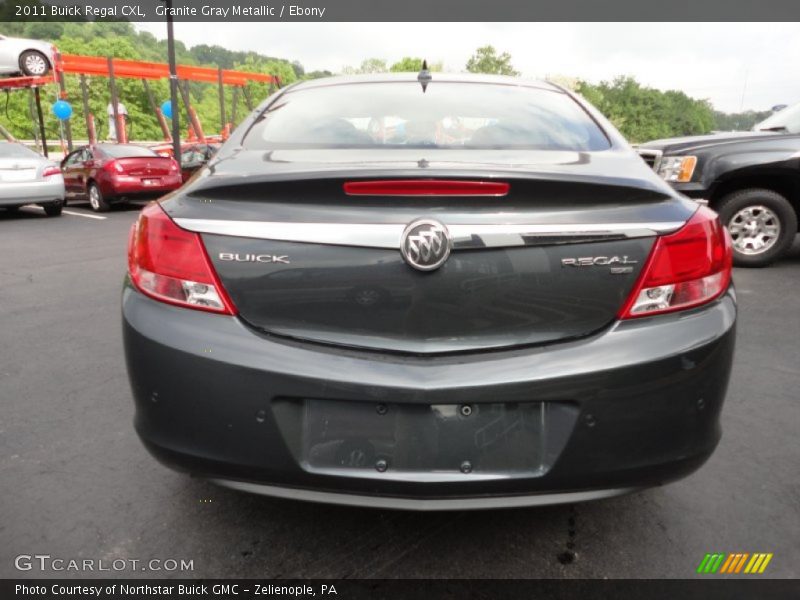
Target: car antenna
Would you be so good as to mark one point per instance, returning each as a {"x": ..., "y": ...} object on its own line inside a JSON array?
[{"x": 424, "y": 76}]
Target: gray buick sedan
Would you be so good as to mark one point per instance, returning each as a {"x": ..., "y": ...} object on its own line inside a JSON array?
[{"x": 428, "y": 291}]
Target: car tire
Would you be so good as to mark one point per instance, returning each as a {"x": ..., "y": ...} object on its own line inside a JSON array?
[
  {"x": 762, "y": 224},
  {"x": 33, "y": 63},
  {"x": 53, "y": 209},
  {"x": 96, "y": 200}
]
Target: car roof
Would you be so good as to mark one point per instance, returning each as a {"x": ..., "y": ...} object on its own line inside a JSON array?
[
  {"x": 435, "y": 76},
  {"x": 25, "y": 146},
  {"x": 18, "y": 143}
]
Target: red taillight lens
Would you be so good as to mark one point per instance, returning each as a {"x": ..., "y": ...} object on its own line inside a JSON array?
[
  {"x": 425, "y": 187},
  {"x": 685, "y": 269},
  {"x": 113, "y": 165},
  {"x": 173, "y": 165},
  {"x": 170, "y": 264},
  {"x": 50, "y": 171}
]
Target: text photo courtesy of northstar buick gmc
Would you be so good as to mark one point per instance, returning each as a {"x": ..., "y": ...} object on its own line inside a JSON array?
[{"x": 429, "y": 292}]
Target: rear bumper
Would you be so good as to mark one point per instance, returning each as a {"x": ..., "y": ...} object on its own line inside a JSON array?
[
  {"x": 422, "y": 504},
  {"x": 639, "y": 405},
  {"x": 31, "y": 192},
  {"x": 133, "y": 187}
]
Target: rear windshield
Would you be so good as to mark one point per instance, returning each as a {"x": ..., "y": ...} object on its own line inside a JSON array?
[
  {"x": 446, "y": 115},
  {"x": 121, "y": 151},
  {"x": 11, "y": 150}
]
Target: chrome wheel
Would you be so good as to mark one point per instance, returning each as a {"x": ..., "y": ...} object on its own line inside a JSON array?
[
  {"x": 94, "y": 198},
  {"x": 35, "y": 64},
  {"x": 754, "y": 229}
]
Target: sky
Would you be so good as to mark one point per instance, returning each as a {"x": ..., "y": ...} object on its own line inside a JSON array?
[{"x": 737, "y": 66}]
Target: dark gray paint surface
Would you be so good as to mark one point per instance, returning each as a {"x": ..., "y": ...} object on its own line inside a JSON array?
[
  {"x": 77, "y": 483},
  {"x": 483, "y": 298},
  {"x": 371, "y": 298}
]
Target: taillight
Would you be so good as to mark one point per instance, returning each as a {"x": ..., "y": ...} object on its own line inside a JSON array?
[
  {"x": 170, "y": 264},
  {"x": 685, "y": 269},
  {"x": 113, "y": 165},
  {"x": 173, "y": 165},
  {"x": 50, "y": 171},
  {"x": 425, "y": 187}
]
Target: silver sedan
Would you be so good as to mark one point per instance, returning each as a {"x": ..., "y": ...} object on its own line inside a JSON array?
[
  {"x": 27, "y": 178},
  {"x": 32, "y": 58}
]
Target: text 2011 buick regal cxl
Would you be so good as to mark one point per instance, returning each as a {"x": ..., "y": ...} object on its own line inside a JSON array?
[{"x": 415, "y": 292}]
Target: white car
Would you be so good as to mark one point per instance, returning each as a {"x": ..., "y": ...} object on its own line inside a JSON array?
[
  {"x": 28, "y": 178},
  {"x": 29, "y": 57}
]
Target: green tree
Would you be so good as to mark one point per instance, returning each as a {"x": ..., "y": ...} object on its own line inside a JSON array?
[
  {"x": 486, "y": 60},
  {"x": 121, "y": 40},
  {"x": 642, "y": 113},
  {"x": 413, "y": 65},
  {"x": 39, "y": 30},
  {"x": 299, "y": 71},
  {"x": 317, "y": 74},
  {"x": 368, "y": 65},
  {"x": 743, "y": 121}
]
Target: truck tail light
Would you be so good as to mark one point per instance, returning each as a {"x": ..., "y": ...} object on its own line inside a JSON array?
[
  {"x": 685, "y": 269},
  {"x": 170, "y": 264}
]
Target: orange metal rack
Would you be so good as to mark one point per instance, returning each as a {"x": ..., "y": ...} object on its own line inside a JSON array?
[
  {"x": 136, "y": 69},
  {"x": 19, "y": 83}
]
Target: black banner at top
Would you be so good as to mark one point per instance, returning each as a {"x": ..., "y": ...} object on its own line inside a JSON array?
[{"x": 401, "y": 10}]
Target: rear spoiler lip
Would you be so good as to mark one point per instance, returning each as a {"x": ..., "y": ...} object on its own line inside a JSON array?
[{"x": 216, "y": 181}]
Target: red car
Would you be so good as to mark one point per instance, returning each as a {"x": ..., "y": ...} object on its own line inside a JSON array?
[{"x": 109, "y": 173}]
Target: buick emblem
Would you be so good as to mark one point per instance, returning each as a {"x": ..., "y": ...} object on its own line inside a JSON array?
[{"x": 425, "y": 244}]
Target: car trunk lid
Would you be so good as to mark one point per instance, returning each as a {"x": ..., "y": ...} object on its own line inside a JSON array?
[
  {"x": 552, "y": 260},
  {"x": 150, "y": 166},
  {"x": 18, "y": 169}
]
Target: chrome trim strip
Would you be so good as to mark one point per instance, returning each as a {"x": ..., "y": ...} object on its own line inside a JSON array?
[
  {"x": 387, "y": 235},
  {"x": 336, "y": 234},
  {"x": 421, "y": 504}
]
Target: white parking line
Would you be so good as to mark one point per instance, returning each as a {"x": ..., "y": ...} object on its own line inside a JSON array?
[
  {"x": 74, "y": 214},
  {"x": 77, "y": 214}
]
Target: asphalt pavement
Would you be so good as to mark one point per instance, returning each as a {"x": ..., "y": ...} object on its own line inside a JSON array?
[{"x": 77, "y": 484}]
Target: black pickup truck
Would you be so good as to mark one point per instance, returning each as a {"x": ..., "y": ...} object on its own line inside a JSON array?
[{"x": 752, "y": 179}]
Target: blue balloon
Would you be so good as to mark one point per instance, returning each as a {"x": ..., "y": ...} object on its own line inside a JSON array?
[
  {"x": 166, "y": 109},
  {"x": 62, "y": 110}
]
